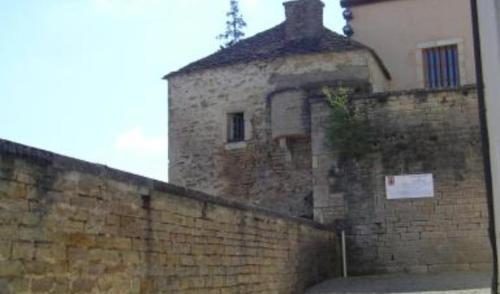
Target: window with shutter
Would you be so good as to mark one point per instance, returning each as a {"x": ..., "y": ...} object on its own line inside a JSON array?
[{"x": 441, "y": 67}]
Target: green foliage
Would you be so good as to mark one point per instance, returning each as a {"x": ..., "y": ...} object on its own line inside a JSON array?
[
  {"x": 234, "y": 26},
  {"x": 348, "y": 133}
]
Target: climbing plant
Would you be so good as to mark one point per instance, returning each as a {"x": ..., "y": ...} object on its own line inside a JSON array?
[{"x": 348, "y": 134}]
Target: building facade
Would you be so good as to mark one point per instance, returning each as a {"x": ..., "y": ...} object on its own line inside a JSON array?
[
  {"x": 250, "y": 123},
  {"x": 402, "y": 32},
  {"x": 239, "y": 120}
]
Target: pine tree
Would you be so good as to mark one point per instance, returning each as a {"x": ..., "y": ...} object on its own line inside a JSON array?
[{"x": 234, "y": 26}]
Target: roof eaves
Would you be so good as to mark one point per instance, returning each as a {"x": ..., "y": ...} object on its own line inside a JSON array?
[
  {"x": 186, "y": 70},
  {"x": 381, "y": 63},
  {"x": 377, "y": 58}
]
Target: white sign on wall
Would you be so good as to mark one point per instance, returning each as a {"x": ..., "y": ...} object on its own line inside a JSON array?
[{"x": 409, "y": 186}]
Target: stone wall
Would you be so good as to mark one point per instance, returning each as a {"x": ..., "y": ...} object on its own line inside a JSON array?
[
  {"x": 68, "y": 226},
  {"x": 417, "y": 132},
  {"x": 260, "y": 171}
]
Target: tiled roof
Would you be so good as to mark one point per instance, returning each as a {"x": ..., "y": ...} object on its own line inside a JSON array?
[{"x": 269, "y": 44}]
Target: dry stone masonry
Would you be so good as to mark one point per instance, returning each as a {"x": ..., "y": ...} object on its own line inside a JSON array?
[
  {"x": 68, "y": 226},
  {"x": 275, "y": 79},
  {"x": 257, "y": 77},
  {"x": 263, "y": 171},
  {"x": 417, "y": 132}
]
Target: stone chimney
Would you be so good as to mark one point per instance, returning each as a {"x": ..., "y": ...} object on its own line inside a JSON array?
[{"x": 304, "y": 19}]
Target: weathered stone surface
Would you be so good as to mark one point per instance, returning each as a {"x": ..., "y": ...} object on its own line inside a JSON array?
[
  {"x": 263, "y": 171},
  {"x": 433, "y": 132},
  {"x": 285, "y": 164},
  {"x": 5, "y": 249},
  {"x": 23, "y": 250},
  {"x": 11, "y": 268},
  {"x": 92, "y": 239}
]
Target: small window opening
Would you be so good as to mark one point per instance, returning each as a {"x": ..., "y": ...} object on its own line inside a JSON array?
[
  {"x": 441, "y": 68},
  {"x": 236, "y": 127}
]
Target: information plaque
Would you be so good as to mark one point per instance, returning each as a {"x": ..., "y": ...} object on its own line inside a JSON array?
[{"x": 409, "y": 186}]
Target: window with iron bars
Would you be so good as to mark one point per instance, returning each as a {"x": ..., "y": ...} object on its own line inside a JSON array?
[
  {"x": 441, "y": 67},
  {"x": 235, "y": 127}
]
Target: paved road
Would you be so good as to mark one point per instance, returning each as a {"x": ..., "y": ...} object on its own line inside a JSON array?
[{"x": 460, "y": 283}]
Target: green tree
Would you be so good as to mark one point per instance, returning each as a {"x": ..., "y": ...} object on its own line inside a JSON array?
[{"x": 234, "y": 26}]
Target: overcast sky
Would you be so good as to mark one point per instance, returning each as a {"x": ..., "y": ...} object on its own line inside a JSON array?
[{"x": 83, "y": 77}]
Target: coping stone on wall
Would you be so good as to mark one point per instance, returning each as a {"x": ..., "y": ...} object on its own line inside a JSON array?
[
  {"x": 382, "y": 96},
  {"x": 46, "y": 158},
  {"x": 420, "y": 91}
]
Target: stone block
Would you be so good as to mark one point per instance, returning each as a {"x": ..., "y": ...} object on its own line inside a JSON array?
[
  {"x": 23, "y": 250},
  {"x": 11, "y": 189},
  {"x": 41, "y": 268},
  {"x": 17, "y": 285},
  {"x": 82, "y": 285},
  {"x": 31, "y": 234},
  {"x": 51, "y": 253},
  {"x": 11, "y": 268},
  {"x": 62, "y": 285},
  {"x": 30, "y": 219},
  {"x": 114, "y": 243},
  {"x": 25, "y": 177},
  {"x": 78, "y": 239},
  {"x": 43, "y": 285},
  {"x": 106, "y": 257},
  {"x": 5, "y": 250}
]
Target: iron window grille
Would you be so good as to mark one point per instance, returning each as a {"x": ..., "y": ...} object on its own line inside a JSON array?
[
  {"x": 236, "y": 127},
  {"x": 441, "y": 67}
]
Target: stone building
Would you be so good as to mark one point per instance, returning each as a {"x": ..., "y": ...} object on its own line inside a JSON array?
[
  {"x": 249, "y": 122},
  {"x": 263, "y": 83}
]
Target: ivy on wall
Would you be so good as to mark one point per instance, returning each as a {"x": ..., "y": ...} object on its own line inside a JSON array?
[{"x": 348, "y": 133}]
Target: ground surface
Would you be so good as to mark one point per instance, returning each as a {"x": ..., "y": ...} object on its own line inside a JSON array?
[{"x": 462, "y": 283}]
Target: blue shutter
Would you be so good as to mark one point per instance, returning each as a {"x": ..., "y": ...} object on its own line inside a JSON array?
[{"x": 441, "y": 67}]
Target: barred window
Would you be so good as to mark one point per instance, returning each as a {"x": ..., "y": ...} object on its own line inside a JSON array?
[
  {"x": 441, "y": 69},
  {"x": 235, "y": 127}
]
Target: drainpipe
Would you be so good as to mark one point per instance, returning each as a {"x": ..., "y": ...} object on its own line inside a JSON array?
[
  {"x": 485, "y": 139},
  {"x": 340, "y": 228},
  {"x": 344, "y": 254}
]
